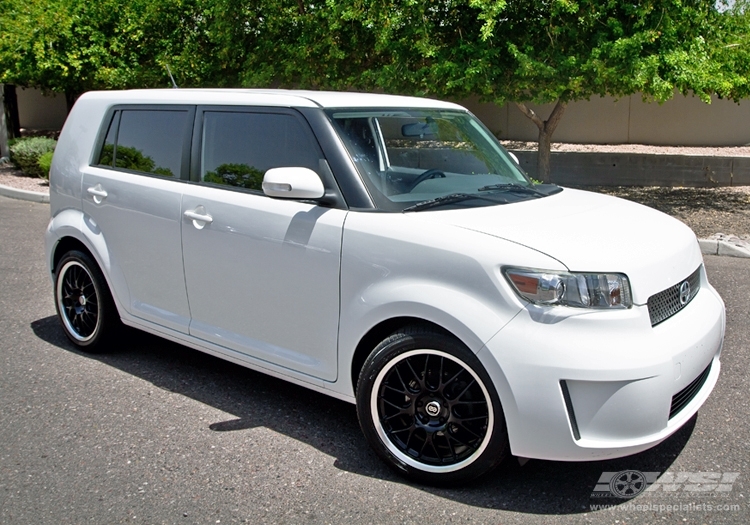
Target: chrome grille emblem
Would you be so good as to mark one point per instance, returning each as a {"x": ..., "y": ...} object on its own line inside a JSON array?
[{"x": 684, "y": 293}]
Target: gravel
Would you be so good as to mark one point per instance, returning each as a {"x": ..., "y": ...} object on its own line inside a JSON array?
[
  {"x": 707, "y": 211},
  {"x": 710, "y": 151},
  {"x": 10, "y": 176}
]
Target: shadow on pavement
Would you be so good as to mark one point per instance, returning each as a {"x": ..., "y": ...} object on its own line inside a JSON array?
[{"x": 330, "y": 425}]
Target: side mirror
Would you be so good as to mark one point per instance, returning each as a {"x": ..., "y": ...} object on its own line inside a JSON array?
[{"x": 293, "y": 183}]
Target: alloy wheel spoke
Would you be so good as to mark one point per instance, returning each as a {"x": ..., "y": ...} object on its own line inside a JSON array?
[
  {"x": 416, "y": 376},
  {"x": 461, "y": 441},
  {"x": 465, "y": 429}
]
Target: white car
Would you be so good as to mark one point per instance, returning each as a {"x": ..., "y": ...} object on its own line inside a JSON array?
[{"x": 389, "y": 252}]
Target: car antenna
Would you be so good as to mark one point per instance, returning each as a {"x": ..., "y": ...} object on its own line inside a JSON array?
[{"x": 174, "y": 84}]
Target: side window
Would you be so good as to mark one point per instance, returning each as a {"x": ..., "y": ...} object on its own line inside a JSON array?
[
  {"x": 145, "y": 140},
  {"x": 238, "y": 148},
  {"x": 107, "y": 155}
]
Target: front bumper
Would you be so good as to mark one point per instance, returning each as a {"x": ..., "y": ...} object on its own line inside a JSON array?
[{"x": 580, "y": 385}]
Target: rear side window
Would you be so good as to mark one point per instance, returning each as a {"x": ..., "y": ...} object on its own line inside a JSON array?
[
  {"x": 239, "y": 147},
  {"x": 149, "y": 141}
]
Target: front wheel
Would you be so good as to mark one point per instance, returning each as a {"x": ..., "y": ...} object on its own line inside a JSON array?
[
  {"x": 84, "y": 304},
  {"x": 429, "y": 409}
]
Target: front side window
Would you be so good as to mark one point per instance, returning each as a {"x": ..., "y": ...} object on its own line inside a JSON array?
[
  {"x": 239, "y": 147},
  {"x": 419, "y": 159},
  {"x": 146, "y": 140}
]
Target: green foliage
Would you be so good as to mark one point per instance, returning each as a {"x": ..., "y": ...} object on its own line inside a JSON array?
[
  {"x": 240, "y": 175},
  {"x": 107, "y": 155},
  {"x": 71, "y": 46},
  {"x": 26, "y": 152},
  {"x": 130, "y": 158},
  {"x": 565, "y": 50},
  {"x": 519, "y": 51},
  {"x": 45, "y": 163}
]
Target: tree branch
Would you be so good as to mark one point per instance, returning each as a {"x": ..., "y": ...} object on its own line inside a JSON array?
[
  {"x": 530, "y": 113},
  {"x": 555, "y": 116}
]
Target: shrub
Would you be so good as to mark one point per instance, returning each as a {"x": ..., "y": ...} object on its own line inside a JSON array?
[
  {"x": 25, "y": 153},
  {"x": 45, "y": 163}
]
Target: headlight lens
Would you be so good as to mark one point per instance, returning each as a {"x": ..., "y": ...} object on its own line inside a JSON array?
[{"x": 580, "y": 290}]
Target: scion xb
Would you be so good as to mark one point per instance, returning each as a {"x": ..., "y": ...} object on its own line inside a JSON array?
[{"x": 389, "y": 252}]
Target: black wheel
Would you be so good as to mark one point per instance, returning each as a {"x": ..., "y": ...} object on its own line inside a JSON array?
[
  {"x": 429, "y": 409},
  {"x": 84, "y": 304}
]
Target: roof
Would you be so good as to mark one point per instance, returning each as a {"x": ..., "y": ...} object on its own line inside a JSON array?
[{"x": 267, "y": 97}]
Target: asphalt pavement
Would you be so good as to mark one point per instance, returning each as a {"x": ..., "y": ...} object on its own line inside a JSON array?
[{"x": 158, "y": 433}]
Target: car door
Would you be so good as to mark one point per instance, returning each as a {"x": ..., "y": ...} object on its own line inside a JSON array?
[
  {"x": 262, "y": 274},
  {"x": 131, "y": 195}
]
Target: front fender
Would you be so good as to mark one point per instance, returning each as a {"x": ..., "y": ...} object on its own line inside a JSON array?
[{"x": 469, "y": 318}]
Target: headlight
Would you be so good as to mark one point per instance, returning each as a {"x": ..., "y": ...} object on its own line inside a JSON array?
[{"x": 580, "y": 290}]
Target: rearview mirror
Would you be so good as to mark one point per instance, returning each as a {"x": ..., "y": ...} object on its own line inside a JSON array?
[
  {"x": 420, "y": 129},
  {"x": 293, "y": 183}
]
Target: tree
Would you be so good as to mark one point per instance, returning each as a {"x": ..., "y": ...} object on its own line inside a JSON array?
[
  {"x": 71, "y": 46},
  {"x": 562, "y": 50}
]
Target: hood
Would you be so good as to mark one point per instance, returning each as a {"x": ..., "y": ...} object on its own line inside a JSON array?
[{"x": 590, "y": 232}]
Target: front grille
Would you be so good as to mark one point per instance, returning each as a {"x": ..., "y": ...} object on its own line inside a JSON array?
[
  {"x": 686, "y": 395},
  {"x": 665, "y": 304}
]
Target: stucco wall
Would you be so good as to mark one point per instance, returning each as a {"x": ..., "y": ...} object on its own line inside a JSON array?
[
  {"x": 681, "y": 121},
  {"x": 37, "y": 111}
]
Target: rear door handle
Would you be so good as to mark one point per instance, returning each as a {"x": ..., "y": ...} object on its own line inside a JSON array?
[
  {"x": 199, "y": 217},
  {"x": 98, "y": 193}
]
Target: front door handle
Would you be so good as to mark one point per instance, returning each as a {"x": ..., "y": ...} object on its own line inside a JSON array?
[
  {"x": 199, "y": 217},
  {"x": 98, "y": 193}
]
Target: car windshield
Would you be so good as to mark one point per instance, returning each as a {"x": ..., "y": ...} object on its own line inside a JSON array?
[{"x": 427, "y": 159}]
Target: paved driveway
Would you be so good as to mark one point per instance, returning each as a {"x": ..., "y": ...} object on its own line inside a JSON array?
[{"x": 158, "y": 433}]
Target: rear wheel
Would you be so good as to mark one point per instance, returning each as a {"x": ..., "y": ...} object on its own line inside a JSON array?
[
  {"x": 429, "y": 409},
  {"x": 84, "y": 304}
]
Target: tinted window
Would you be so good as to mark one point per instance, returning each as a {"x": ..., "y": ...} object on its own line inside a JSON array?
[
  {"x": 107, "y": 155},
  {"x": 150, "y": 141},
  {"x": 238, "y": 148}
]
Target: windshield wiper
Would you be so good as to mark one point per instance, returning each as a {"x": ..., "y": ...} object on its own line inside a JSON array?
[
  {"x": 449, "y": 199},
  {"x": 512, "y": 187}
]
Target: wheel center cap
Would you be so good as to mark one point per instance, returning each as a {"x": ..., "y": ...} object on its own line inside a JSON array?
[
  {"x": 82, "y": 300},
  {"x": 433, "y": 408}
]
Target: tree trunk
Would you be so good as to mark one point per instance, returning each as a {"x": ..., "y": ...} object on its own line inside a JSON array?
[
  {"x": 12, "y": 121},
  {"x": 10, "y": 127},
  {"x": 546, "y": 129},
  {"x": 70, "y": 99},
  {"x": 4, "y": 151}
]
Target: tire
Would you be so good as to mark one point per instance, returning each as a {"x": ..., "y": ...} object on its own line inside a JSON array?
[
  {"x": 84, "y": 304},
  {"x": 429, "y": 409}
]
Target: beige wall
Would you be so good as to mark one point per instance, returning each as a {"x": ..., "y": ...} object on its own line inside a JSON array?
[
  {"x": 37, "y": 111},
  {"x": 681, "y": 121}
]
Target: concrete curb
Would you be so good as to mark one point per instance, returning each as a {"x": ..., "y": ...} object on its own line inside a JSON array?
[
  {"x": 722, "y": 247},
  {"x": 708, "y": 246},
  {"x": 24, "y": 195}
]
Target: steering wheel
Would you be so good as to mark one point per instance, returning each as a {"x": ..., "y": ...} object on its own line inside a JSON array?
[{"x": 429, "y": 174}]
